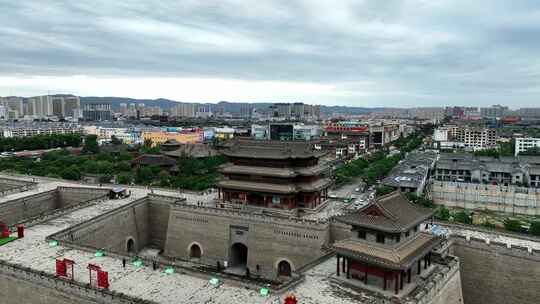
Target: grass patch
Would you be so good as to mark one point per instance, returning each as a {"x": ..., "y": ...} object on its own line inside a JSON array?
[{"x": 7, "y": 240}]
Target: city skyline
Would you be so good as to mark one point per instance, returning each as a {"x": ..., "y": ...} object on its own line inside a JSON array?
[{"x": 363, "y": 54}]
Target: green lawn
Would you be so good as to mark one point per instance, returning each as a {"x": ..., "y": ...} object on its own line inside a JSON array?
[{"x": 7, "y": 240}]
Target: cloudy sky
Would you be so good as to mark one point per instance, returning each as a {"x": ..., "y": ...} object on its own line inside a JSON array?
[{"x": 358, "y": 53}]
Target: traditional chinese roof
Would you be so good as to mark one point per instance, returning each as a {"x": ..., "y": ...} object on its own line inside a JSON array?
[
  {"x": 263, "y": 171},
  {"x": 154, "y": 159},
  {"x": 256, "y": 186},
  {"x": 192, "y": 150},
  {"x": 269, "y": 149},
  {"x": 401, "y": 257},
  {"x": 274, "y": 188},
  {"x": 392, "y": 213},
  {"x": 276, "y": 172}
]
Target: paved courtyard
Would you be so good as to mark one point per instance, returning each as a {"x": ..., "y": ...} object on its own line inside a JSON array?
[{"x": 33, "y": 251}]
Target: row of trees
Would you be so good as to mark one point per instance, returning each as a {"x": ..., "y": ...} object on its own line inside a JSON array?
[
  {"x": 39, "y": 142},
  {"x": 377, "y": 165},
  {"x": 194, "y": 174},
  {"x": 509, "y": 224}
]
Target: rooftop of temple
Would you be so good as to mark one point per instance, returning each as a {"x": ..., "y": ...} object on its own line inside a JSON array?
[
  {"x": 391, "y": 213},
  {"x": 247, "y": 148}
]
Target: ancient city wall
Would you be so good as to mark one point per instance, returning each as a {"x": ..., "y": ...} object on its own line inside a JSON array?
[
  {"x": 144, "y": 221},
  {"x": 24, "y": 285},
  {"x": 8, "y": 186},
  {"x": 269, "y": 239},
  {"x": 111, "y": 230},
  {"x": 441, "y": 287},
  {"x": 46, "y": 203},
  {"x": 497, "y": 273},
  {"x": 158, "y": 220},
  {"x": 509, "y": 199},
  {"x": 18, "y": 210},
  {"x": 339, "y": 231},
  {"x": 69, "y": 196}
]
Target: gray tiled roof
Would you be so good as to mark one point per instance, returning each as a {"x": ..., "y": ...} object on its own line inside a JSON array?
[
  {"x": 275, "y": 188},
  {"x": 399, "y": 215},
  {"x": 272, "y": 171},
  {"x": 272, "y": 149},
  {"x": 193, "y": 150},
  {"x": 394, "y": 258}
]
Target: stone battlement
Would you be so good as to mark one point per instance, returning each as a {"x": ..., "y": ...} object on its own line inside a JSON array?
[
  {"x": 9, "y": 186},
  {"x": 322, "y": 224},
  {"x": 82, "y": 293},
  {"x": 500, "y": 247},
  {"x": 435, "y": 283},
  {"x": 37, "y": 207}
]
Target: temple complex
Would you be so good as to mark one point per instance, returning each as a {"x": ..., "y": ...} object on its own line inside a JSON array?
[
  {"x": 387, "y": 249},
  {"x": 274, "y": 174}
]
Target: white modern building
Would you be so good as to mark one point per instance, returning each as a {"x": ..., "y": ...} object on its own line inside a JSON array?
[{"x": 522, "y": 144}]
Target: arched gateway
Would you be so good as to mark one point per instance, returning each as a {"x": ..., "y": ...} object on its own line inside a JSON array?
[
  {"x": 284, "y": 269},
  {"x": 195, "y": 251},
  {"x": 239, "y": 255}
]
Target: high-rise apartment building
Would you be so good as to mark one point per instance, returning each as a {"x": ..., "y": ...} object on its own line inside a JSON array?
[
  {"x": 184, "y": 110},
  {"x": 97, "y": 112},
  {"x": 40, "y": 106},
  {"x": 14, "y": 105},
  {"x": 495, "y": 111},
  {"x": 72, "y": 106}
]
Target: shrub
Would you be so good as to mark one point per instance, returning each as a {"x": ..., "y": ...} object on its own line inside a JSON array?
[
  {"x": 512, "y": 225},
  {"x": 535, "y": 228},
  {"x": 382, "y": 190},
  {"x": 442, "y": 213},
  {"x": 463, "y": 217}
]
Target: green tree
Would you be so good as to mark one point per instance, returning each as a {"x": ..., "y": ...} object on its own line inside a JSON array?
[
  {"x": 512, "y": 225},
  {"x": 488, "y": 224},
  {"x": 72, "y": 173},
  {"x": 382, "y": 190},
  {"x": 535, "y": 228},
  {"x": 91, "y": 145},
  {"x": 463, "y": 217},
  {"x": 124, "y": 178},
  {"x": 442, "y": 213},
  {"x": 144, "y": 175}
]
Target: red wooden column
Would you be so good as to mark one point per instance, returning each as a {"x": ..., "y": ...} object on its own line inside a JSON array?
[
  {"x": 396, "y": 284},
  {"x": 348, "y": 268},
  {"x": 409, "y": 275},
  {"x": 365, "y": 272},
  {"x": 384, "y": 281},
  {"x": 401, "y": 277},
  {"x": 419, "y": 262},
  {"x": 337, "y": 265}
]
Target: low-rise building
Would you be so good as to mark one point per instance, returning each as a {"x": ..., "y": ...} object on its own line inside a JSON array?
[
  {"x": 387, "y": 249},
  {"x": 476, "y": 138},
  {"x": 38, "y": 128},
  {"x": 411, "y": 174},
  {"x": 521, "y": 170},
  {"x": 183, "y": 137}
]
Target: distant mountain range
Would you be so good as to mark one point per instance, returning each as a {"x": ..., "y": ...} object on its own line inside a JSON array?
[{"x": 231, "y": 107}]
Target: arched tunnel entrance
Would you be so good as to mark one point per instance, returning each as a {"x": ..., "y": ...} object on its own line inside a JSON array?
[{"x": 239, "y": 255}]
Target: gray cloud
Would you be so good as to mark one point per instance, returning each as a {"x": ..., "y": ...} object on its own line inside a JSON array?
[{"x": 387, "y": 53}]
